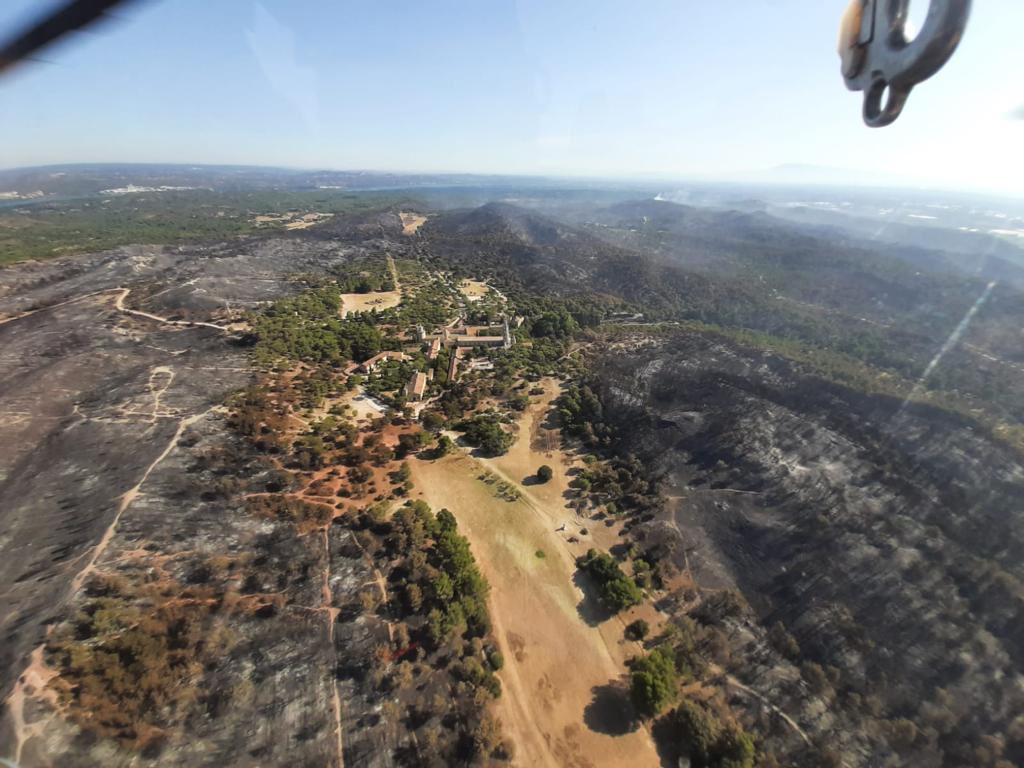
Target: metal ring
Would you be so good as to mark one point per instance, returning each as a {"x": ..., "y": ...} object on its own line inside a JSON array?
[{"x": 877, "y": 58}]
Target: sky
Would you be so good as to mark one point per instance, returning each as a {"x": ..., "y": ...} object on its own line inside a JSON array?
[{"x": 680, "y": 89}]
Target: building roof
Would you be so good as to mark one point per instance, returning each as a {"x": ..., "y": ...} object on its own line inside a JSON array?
[
  {"x": 389, "y": 355},
  {"x": 453, "y": 364},
  {"x": 417, "y": 385}
]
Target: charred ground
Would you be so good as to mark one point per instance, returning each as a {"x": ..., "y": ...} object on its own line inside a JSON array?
[{"x": 830, "y": 538}]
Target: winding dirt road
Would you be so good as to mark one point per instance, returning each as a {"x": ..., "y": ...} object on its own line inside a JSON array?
[{"x": 166, "y": 321}]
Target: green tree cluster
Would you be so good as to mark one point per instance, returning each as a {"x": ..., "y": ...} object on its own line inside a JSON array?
[
  {"x": 308, "y": 328},
  {"x": 616, "y": 590},
  {"x": 654, "y": 681},
  {"x": 485, "y": 432},
  {"x": 711, "y": 741},
  {"x": 637, "y": 630},
  {"x": 582, "y": 414},
  {"x": 558, "y": 324},
  {"x": 454, "y": 592}
]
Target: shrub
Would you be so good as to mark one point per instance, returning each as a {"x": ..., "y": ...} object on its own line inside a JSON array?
[
  {"x": 815, "y": 676},
  {"x": 783, "y": 642},
  {"x": 432, "y": 420},
  {"x": 492, "y": 685},
  {"x": 653, "y": 684},
  {"x": 519, "y": 403},
  {"x": 724, "y": 605},
  {"x": 445, "y": 445},
  {"x": 410, "y": 442},
  {"x": 581, "y": 484},
  {"x": 638, "y": 630},
  {"x": 616, "y": 590}
]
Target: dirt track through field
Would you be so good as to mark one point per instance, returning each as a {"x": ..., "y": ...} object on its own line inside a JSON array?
[{"x": 558, "y": 664}]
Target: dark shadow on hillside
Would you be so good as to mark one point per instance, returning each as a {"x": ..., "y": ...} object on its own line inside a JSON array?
[
  {"x": 589, "y": 608},
  {"x": 610, "y": 711},
  {"x": 531, "y": 480}
]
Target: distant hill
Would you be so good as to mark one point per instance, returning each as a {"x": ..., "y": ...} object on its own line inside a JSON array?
[
  {"x": 975, "y": 252},
  {"x": 504, "y": 220},
  {"x": 716, "y": 238}
]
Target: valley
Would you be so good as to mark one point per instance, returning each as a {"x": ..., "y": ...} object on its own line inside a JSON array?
[{"x": 596, "y": 480}]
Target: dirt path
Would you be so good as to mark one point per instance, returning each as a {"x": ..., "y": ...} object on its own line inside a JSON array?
[
  {"x": 138, "y": 313},
  {"x": 32, "y": 684},
  {"x": 734, "y": 683},
  {"x": 159, "y": 390},
  {"x": 556, "y": 663},
  {"x": 331, "y": 613},
  {"x": 128, "y": 497},
  {"x": 30, "y": 312},
  {"x": 32, "y": 681},
  {"x": 393, "y": 269},
  {"x": 992, "y": 358},
  {"x": 119, "y": 304}
]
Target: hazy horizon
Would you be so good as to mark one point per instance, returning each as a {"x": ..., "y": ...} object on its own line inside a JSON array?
[
  {"x": 675, "y": 94},
  {"x": 821, "y": 178}
]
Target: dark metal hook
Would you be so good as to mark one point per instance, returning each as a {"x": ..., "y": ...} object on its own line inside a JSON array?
[{"x": 877, "y": 57}]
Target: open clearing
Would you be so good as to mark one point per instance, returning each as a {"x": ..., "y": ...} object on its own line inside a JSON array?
[
  {"x": 367, "y": 302},
  {"x": 292, "y": 220},
  {"x": 474, "y": 290},
  {"x": 364, "y": 408},
  {"x": 538, "y": 444},
  {"x": 411, "y": 222},
  {"x": 556, "y": 661},
  {"x": 378, "y": 300}
]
